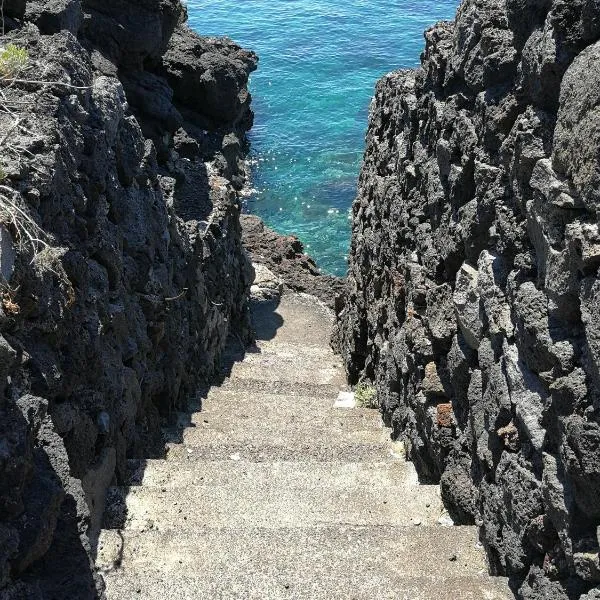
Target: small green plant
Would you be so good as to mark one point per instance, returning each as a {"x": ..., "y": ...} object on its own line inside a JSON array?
[
  {"x": 12, "y": 60},
  {"x": 366, "y": 395}
]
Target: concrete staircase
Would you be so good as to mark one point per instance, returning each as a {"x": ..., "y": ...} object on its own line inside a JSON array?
[{"x": 270, "y": 492}]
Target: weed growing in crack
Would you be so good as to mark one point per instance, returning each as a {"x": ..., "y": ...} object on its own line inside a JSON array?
[
  {"x": 12, "y": 60},
  {"x": 26, "y": 232},
  {"x": 366, "y": 396}
]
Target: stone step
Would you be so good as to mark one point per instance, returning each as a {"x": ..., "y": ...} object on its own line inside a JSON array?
[
  {"x": 285, "y": 349},
  {"x": 208, "y": 427},
  {"x": 289, "y": 449},
  {"x": 283, "y": 501},
  {"x": 296, "y": 319},
  {"x": 149, "y": 584},
  {"x": 336, "y": 563},
  {"x": 287, "y": 388},
  {"x": 282, "y": 361},
  {"x": 275, "y": 419},
  {"x": 260, "y": 406},
  {"x": 172, "y": 474},
  {"x": 284, "y": 431},
  {"x": 282, "y": 410}
]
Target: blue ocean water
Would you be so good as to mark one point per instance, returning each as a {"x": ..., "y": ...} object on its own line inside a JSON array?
[{"x": 319, "y": 62}]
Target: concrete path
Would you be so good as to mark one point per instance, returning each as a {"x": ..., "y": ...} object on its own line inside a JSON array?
[{"x": 269, "y": 492}]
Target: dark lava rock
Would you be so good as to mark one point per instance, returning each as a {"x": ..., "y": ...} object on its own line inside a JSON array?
[
  {"x": 126, "y": 272},
  {"x": 284, "y": 256},
  {"x": 52, "y": 16},
  {"x": 211, "y": 73},
  {"x": 130, "y": 32},
  {"x": 474, "y": 283}
]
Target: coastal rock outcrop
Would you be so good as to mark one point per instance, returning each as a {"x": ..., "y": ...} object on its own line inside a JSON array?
[
  {"x": 284, "y": 255},
  {"x": 473, "y": 294},
  {"x": 123, "y": 271}
]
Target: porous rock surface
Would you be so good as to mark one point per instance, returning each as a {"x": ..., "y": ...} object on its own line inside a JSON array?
[
  {"x": 122, "y": 263},
  {"x": 473, "y": 295},
  {"x": 285, "y": 256}
]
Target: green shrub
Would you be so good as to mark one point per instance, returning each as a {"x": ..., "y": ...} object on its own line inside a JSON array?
[
  {"x": 12, "y": 60},
  {"x": 366, "y": 396}
]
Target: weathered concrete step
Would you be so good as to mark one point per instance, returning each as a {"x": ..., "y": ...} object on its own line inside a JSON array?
[
  {"x": 223, "y": 405},
  {"x": 287, "y": 362},
  {"x": 338, "y": 563},
  {"x": 275, "y": 419},
  {"x": 273, "y": 450},
  {"x": 282, "y": 410},
  {"x": 286, "y": 430},
  {"x": 249, "y": 422},
  {"x": 149, "y": 584},
  {"x": 280, "y": 502},
  {"x": 287, "y": 388},
  {"x": 189, "y": 472},
  {"x": 296, "y": 319},
  {"x": 298, "y": 352}
]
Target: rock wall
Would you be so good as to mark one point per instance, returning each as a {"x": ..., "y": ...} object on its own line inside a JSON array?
[
  {"x": 473, "y": 295},
  {"x": 121, "y": 146}
]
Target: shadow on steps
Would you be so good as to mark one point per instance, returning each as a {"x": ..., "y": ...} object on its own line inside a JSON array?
[{"x": 266, "y": 322}]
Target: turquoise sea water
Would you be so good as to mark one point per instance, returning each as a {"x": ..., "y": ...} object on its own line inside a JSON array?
[{"x": 319, "y": 62}]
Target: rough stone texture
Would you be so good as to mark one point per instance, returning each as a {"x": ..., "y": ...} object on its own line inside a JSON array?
[
  {"x": 285, "y": 256},
  {"x": 209, "y": 71},
  {"x": 122, "y": 262},
  {"x": 270, "y": 491},
  {"x": 473, "y": 296},
  {"x": 266, "y": 285}
]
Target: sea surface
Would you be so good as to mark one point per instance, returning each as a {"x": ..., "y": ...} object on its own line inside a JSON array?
[{"x": 319, "y": 62}]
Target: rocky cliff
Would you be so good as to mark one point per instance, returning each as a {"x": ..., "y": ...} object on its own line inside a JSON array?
[
  {"x": 473, "y": 295},
  {"x": 122, "y": 139},
  {"x": 285, "y": 257}
]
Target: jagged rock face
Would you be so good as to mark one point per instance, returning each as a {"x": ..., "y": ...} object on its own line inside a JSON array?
[
  {"x": 474, "y": 282},
  {"x": 212, "y": 72},
  {"x": 110, "y": 321},
  {"x": 130, "y": 32},
  {"x": 285, "y": 256}
]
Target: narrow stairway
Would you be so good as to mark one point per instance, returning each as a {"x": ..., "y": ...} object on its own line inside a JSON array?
[{"x": 271, "y": 492}]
